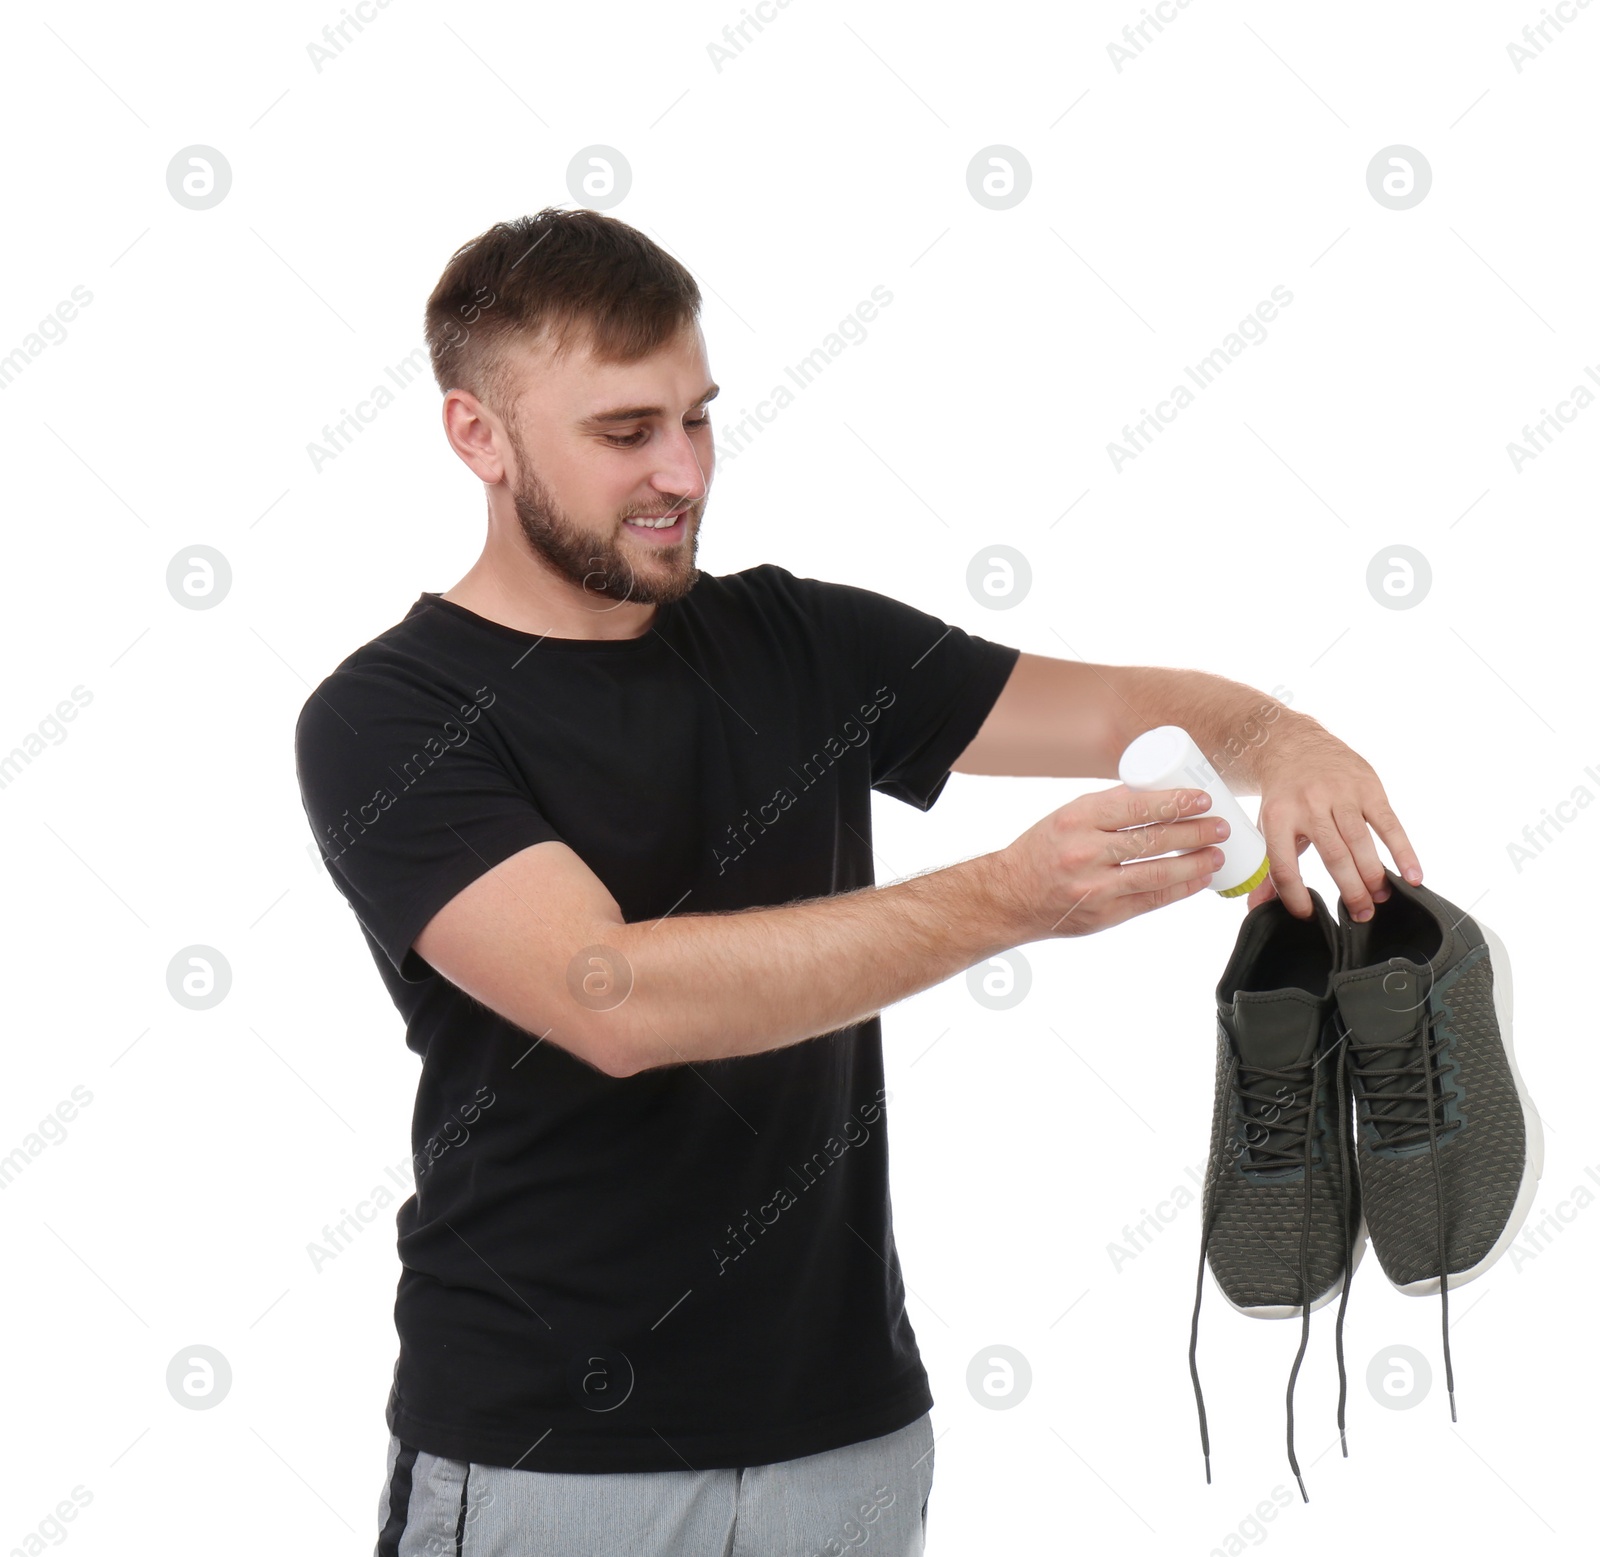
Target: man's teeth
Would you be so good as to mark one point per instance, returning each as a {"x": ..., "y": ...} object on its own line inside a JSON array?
[{"x": 657, "y": 524}]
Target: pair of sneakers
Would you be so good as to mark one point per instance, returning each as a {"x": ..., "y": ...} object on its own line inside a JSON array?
[{"x": 1366, "y": 1087}]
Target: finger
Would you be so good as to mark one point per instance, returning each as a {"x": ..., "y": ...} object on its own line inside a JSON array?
[
  {"x": 1169, "y": 870},
  {"x": 1262, "y": 894},
  {"x": 1112, "y": 809},
  {"x": 1387, "y": 825},
  {"x": 1133, "y": 843},
  {"x": 1353, "y": 826},
  {"x": 1136, "y": 903},
  {"x": 1277, "y": 826},
  {"x": 1336, "y": 855}
]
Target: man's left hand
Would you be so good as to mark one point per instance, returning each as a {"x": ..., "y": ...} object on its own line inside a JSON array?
[{"x": 1315, "y": 789}]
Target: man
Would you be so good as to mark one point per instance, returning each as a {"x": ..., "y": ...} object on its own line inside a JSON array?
[{"x": 605, "y": 822}]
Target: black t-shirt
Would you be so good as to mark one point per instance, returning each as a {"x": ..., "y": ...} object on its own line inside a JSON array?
[{"x": 695, "y": 1265}]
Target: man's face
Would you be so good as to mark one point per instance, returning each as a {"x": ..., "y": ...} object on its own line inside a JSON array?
[{"x": 598, "y": 444}]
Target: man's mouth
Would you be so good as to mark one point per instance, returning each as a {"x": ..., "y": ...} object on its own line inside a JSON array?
[{"x": 662, "y": 529}]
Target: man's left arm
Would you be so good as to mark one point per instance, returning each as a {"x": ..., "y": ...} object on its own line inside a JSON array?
[{"x": 1067, "y": 719}]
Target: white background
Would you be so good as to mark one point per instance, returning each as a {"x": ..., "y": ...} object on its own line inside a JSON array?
[{"x": 829, "y": 156}]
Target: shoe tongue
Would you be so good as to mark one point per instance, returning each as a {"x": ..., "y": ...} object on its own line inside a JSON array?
[
  {"x": 1383, "y": 1004},
  {"x": 1275, "y": 1029}
]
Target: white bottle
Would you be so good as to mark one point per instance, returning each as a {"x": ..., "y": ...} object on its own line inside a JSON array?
[{"x": 1167, "y": 758}]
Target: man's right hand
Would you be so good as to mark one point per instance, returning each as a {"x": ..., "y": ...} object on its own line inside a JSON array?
[
  {"x": 526, "y": 938},
  {"x": 1088, "y": 865}
]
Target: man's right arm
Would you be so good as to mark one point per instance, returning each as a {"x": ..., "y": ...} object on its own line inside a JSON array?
[{"x": 540, "y": 941}]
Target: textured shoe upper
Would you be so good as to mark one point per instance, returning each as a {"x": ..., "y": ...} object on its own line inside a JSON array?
[
  {"x": 1416, "y": 995},
  {"x": 1276, "y": 1108}
]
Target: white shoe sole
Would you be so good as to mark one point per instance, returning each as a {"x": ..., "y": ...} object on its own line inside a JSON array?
[
  {"x": 1292, "y": 1310},
  {"x": 1533, "y": 1160}
]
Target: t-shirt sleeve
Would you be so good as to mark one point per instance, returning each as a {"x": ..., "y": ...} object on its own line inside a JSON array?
[
  {"x": 409, "y": 798},
  {"x": 933, "y": 682}
]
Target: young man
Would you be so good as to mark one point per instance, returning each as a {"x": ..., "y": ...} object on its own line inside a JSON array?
[{"x": 605, "y": 822}]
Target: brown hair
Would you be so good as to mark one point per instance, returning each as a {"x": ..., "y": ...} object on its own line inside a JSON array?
[{"x": 563, "y": 277}]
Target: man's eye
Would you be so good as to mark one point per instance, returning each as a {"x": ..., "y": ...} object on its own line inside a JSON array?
[{"x": 636, "y": 437}]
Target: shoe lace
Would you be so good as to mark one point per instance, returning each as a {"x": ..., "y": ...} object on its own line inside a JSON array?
[
  {"x": 1399, "y": 1081},
  {"x": 1289, "y": 1144}
]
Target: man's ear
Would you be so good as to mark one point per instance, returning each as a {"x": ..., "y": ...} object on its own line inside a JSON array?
[{"x": 476, "y": 435}]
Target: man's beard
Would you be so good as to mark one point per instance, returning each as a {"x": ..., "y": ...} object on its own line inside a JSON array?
[{"x": 601, "y": 566}]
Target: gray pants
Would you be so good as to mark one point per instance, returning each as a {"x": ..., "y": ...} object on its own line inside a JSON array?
[{"x": 871, "y": 1494}]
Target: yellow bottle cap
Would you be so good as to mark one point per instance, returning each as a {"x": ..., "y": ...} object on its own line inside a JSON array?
[{"x": 1256, "y": 878}]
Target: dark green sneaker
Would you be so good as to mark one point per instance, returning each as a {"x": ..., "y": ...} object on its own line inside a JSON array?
[
  {"x": 1281, "y": 1217},
  {"x": 1449, "y": 1147}
]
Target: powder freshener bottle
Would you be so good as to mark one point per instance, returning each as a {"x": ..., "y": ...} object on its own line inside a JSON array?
[{"x": 1167, "y": 758}]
